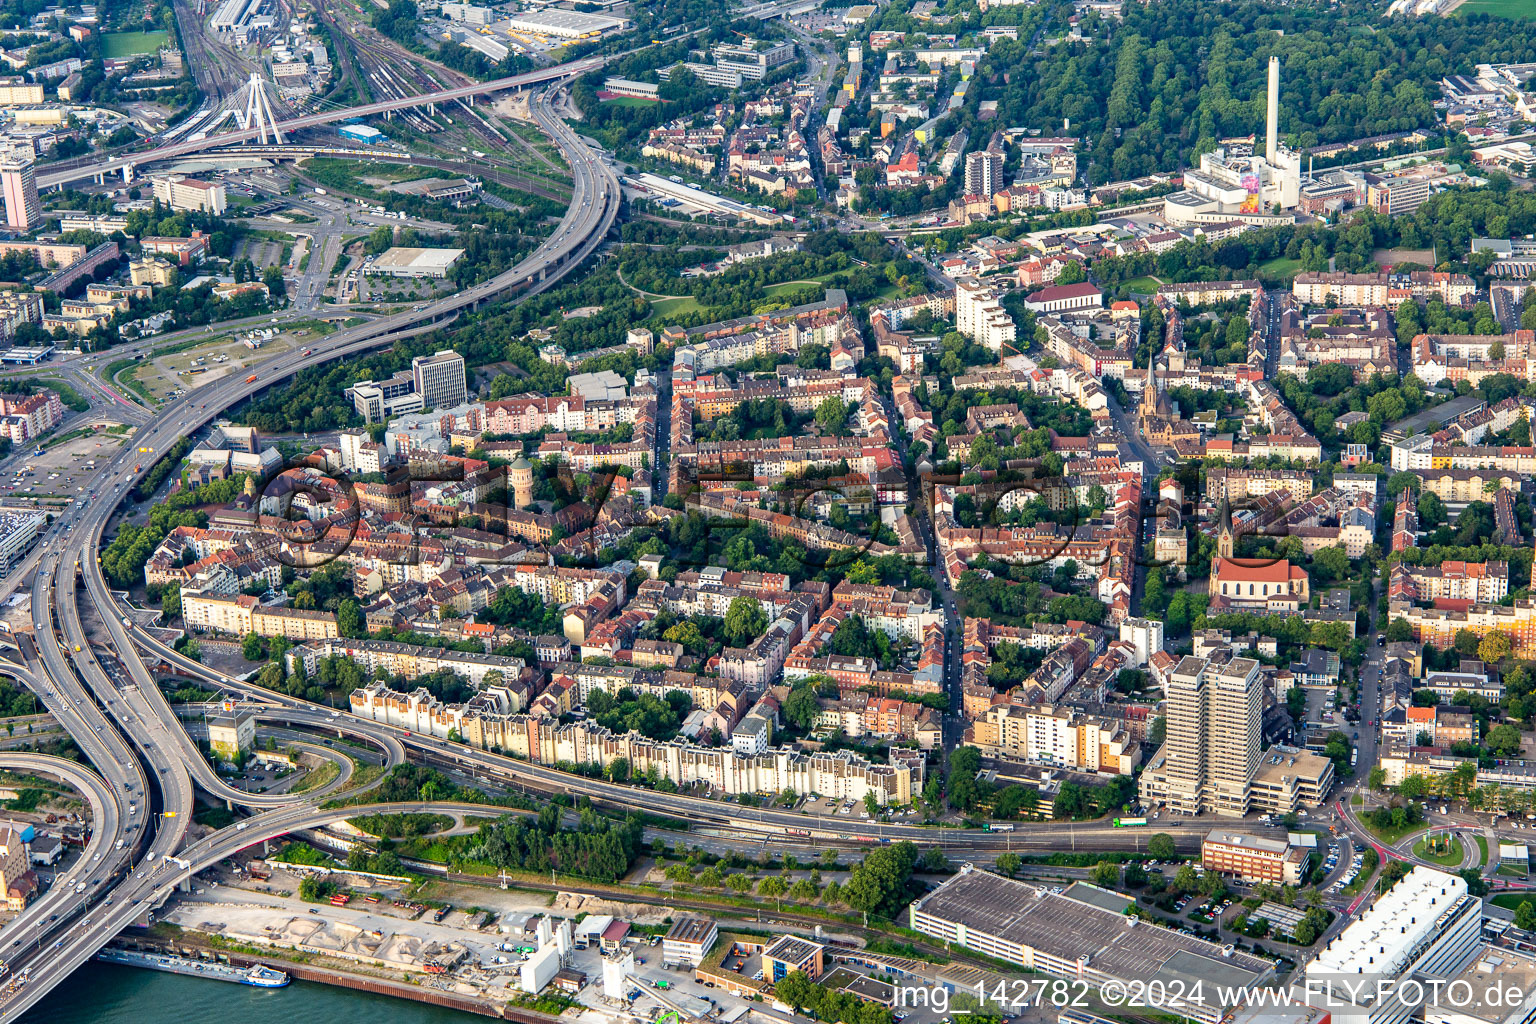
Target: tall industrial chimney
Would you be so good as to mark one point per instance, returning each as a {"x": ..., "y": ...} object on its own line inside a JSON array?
[{"x": 1272, "y": 127}]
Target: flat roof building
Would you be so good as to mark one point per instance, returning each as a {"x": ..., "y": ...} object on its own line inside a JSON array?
[
  {"x": 789, "y": 953},
  {"x": 689, "y": 940},
  {"x": 604, "y": 385},
  {"x": 1081, "y": 933},
  {"x": 1483, "y": 991},
  {"x": 565, "y": 24},
  {"x": 230, "y": 734},
  {"x": 1253, "y": 858},
  {"x": 404, "y": 261},
  {"x": 182, "y": 193},
  {"x": 1427, "y": 925},
  {"x": 439, "y": 379}
]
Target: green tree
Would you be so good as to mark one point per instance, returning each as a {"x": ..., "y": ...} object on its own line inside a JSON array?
[
  {"x": 1525, "y": 916},
  {"x": 964, "y": 790},
  {"x": 1161, "y": 847},
  {"x": 251, "y": 647},
  {"x": 878, "y": 885},
  {"x": 1494, "y": 647},
  {"x": 349, "y": 619},
  {"x": 801, "y": 707},
  {"x": 832, "y": 415},
  {"x": 1106, "y": 874},
  {"x": 1009, "y": 863},
  {"x": 745, "y": 621}
]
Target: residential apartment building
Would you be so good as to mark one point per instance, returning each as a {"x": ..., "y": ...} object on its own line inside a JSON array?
[
  {"x": 980, "y": 316},
  {"x": 1211, "y": 753},
  {"x": 1056, "y": 736},
  {"x": 1427, "y": 926},
  {"x": 238, "y": 614}
]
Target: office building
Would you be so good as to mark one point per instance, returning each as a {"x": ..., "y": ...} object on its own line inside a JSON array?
[
  {"x": 984, "y": 173},
  {"x": 439, "y": 379},
  {"x": 1212, "y": 749},
  {"x": 1254, "y": 858},
  {"x": 18, "y": 181},
  {"x": 1426, "y": 926},
  {"x": 180, "y": 193},
  {"x": 380, "y": 400},
  {"x": 789, "y": 953},
  {"x": 1082, "y": 933},
  {"x": 752, "y": 59},
  {"x": 689, "y": 940},
  {"x": 1484, "y": 991}
]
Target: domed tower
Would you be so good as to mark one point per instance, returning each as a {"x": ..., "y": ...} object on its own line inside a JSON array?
[{"x": 521, "y": 473}]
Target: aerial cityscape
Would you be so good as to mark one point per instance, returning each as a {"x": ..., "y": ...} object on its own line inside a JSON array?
[{"x": 654, "y": 512}]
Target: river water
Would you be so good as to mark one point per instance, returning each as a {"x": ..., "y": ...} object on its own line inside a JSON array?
[{"x": 113, "y": 994}]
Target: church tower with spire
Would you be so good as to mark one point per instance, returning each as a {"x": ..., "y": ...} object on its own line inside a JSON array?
[
  {"x": 1226, "y": 535},
  {"x": 1154, "y": 402}
]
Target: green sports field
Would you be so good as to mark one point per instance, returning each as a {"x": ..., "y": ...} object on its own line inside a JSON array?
[
  {"x": 131, "y": 44},
  {"x": 1500, "y": 8}
]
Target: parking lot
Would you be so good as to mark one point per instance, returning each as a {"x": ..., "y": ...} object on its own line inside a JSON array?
[
  {"x": 164, "y": 376},
  {"x": 62, "y": 470}
]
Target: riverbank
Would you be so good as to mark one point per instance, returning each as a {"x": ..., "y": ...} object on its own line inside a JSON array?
[
  {"x": 112, "y": 994},
  {"x": 193, "y": 945}
]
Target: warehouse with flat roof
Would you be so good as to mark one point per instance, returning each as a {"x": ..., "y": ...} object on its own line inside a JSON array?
[
  {"x": 565, "y": 24},
  {"x": 1084, "y": 933},
  {"x": 403, "y": 261}
]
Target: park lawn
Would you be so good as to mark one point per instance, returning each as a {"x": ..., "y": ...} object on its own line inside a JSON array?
[
  {"x": 630, "y": 101},
  {"x": 1143, "y": 285},
  {"x": 1482, "y": 851},
  {"x": 1452, "y": 859},
  {"x": 775, "y": 290},
  {"x": 1499, "y": 8},
  {"x": 1279, "y": 268},
  {"x": 1391, "y": 836},
  {"x": 131, "y": 44},
  {"x": 1511, "y": 900},
  {"x": 675, "y": 307}
]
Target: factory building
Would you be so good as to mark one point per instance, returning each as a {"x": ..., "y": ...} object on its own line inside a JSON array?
[{"x": 1233, "y": 182}]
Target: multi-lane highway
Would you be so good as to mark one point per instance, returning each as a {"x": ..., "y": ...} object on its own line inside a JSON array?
[{"x": 101, "y": 707}]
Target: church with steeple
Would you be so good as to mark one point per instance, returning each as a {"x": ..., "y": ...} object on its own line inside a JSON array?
[
  {"x": 1263, "y": 585},
  {"x": 1159, "y": 420},
  {"x": 1154, "y": 400}
]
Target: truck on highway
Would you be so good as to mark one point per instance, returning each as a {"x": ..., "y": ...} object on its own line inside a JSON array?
[{"x": 251, "y": 379}]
